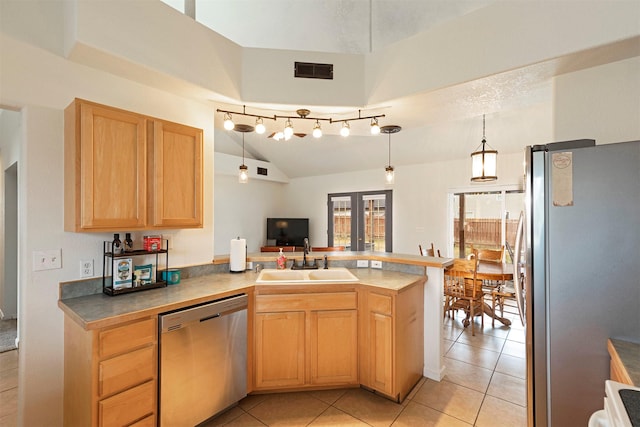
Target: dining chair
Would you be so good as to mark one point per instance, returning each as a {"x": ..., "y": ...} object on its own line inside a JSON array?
[
  {"x": 490, "y": 255},
  {"x": 428, "y": 251},
  {"x": 504, "y": 291},
  {"x": 464, "y": 291}
]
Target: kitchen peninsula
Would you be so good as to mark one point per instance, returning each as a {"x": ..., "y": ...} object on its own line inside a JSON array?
[{"x": 96, "y": 324}]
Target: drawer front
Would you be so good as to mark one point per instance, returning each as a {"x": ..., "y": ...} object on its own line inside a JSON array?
[
  {"x": 129, "y": 406},
  {"x": 380, "y": 303},
  {"x": 149, "y": 421},
  {"x": 127, "y": 337},
  {"x": 311, "y": 301},
  {"x": 125, "y": 371}
]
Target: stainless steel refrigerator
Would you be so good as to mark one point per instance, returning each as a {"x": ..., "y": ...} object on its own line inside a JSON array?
[{"x": 579, "y": 271}]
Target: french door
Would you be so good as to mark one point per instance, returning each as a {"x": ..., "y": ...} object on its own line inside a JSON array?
[{"x": 360, "y": 221}]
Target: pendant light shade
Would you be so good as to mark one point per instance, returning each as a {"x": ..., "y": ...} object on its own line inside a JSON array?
[
  {"x": 243, "y": 170},
  {"x": 389, "y": 173},
  {"x": 484, "y": 161}
]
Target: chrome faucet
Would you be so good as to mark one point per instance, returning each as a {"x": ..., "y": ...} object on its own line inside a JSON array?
[{"x": 306, "y": 251}]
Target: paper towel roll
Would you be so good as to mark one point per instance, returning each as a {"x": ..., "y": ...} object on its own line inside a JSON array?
[{"x": 238, "y": 255}]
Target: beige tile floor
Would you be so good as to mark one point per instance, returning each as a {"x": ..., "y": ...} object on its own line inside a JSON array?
[{"x": 484, "y": 385}]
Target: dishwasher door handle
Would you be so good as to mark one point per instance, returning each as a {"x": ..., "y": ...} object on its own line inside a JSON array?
[{"x": 204, "y": 319}]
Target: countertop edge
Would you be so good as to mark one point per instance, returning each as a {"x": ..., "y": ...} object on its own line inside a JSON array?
[
  {"x": 247, "y": 287},
  {"x": 623, "y": 353}
]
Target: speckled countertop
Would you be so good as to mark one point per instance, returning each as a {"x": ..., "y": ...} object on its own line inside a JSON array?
[
  {"x": 629, "y": 355},
  {"x": 99, "y": 310}
]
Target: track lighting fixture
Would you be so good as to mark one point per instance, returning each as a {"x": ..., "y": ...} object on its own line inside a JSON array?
[
  {"x": 288, "y": 130},
  {"x": 389, "y": 173},
  {"x": 317, "y": 131},
  {"x": 375, "y": 127},
  {"x": 302, "y": 114},
  {"x": 260, "y": 129},
  {"x": 345, "y": 130},
  {"x": 483, "y": 161},
  {"x": 228, "y": 123}
]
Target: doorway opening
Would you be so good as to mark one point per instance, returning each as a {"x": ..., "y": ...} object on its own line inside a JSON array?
[{"x": 484, "y": 220}]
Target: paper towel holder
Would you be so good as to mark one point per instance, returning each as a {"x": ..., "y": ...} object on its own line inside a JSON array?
[{"x": 238, "y": 255}]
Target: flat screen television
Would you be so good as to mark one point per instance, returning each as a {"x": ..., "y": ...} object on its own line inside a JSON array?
[{"x": 287, "y": 231}]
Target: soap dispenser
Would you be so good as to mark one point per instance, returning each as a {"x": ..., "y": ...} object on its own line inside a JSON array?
[{"x": 282, "y": 260}]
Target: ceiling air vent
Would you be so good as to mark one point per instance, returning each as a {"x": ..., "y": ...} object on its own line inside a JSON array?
[
  {"x": 309, "y": 70},
  {"x": 262, "y": 171}
]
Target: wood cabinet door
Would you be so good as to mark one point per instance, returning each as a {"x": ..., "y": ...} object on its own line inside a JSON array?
[
  {"x": 111, "y": 166},
  {"x": 381, "y": 353},
  {"x": 334, "y": 347},
  {"x": 279, "y": 349},
  {"x": 176, "y": 176}
]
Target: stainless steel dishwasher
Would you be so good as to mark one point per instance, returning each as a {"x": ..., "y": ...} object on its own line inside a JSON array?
[{"x": 203, "y": 360}]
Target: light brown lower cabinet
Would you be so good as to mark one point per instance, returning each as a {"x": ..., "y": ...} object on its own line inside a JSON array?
[
  {"x": 110, "y": 374},
  {"x": 305, "y": 340},
  {"x": 343, "y": 336},
  {"x": 391, "y": 339}
]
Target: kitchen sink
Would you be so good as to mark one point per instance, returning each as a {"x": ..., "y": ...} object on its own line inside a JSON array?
[{"x": 335, "y": 275}]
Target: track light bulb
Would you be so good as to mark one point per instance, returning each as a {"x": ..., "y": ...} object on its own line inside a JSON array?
[
  {"x": 228, "y": 123},
  {"x": 317, "y": 131},
  {"x": 278, "y": 136},
  {"x": 260, "y": 126},
  {"x": 288, "y": 129},
  {"x": 375, "y": 127},
  {"x": 345, "y": 130}
]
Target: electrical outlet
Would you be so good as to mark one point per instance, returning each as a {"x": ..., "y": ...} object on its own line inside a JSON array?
[
  {"x": 47, "y": 260},
  {"x": 249, "y": 265},
  {"x": 376, "y": 264},
  {"x": 363, "y": 263},
  {"x": 86, "y": 268}
]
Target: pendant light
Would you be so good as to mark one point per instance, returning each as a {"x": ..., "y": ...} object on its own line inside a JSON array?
[
  {"x": 389, "y": 173},
  {"x": 243, "y": 175},
  {"x": 483, "y": 161}
]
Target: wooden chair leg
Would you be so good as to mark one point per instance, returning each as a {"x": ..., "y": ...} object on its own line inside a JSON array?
[{"x": 493, "y": 309}]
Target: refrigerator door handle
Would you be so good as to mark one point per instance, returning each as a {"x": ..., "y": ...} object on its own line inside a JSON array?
[{"x": 518, "y": 276}]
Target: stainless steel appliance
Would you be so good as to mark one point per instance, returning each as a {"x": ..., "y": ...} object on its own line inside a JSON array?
[
  {"x": 581, "y": 272},
  {"x": 203, "y": 360}
]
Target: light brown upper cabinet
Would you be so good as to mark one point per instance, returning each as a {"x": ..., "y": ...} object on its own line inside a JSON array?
[
  {"x": 175, "y": 172},
  {"x": 127, "y": 171}
]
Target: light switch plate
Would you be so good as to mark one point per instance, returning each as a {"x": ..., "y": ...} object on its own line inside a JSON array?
[
  {"x": 376, "y": 264},
  {"x": 363, "y": 263},
  {"x": 50, "y": 259}
]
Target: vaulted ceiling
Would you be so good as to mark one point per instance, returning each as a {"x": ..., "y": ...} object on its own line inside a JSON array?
[{"x": 513, "y": 100}]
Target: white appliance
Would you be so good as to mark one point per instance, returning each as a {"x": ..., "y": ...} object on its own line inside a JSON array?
[
  {"x": 579, "y": 269},
  {"x": 615, "y": 412}
]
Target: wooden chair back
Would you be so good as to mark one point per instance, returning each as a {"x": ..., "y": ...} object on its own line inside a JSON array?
[
  {"x": 461, "y": 279},
  {"x": 490, "y": 255},
  {"x": 428, "y": 251}
]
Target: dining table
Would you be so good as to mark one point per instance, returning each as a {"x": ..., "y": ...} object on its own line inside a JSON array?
[{"x": 493, "y": 271}]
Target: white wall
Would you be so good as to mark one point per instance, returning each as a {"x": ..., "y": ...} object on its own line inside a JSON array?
[
  {"x": 601, "y": 103},
  {"x": 42, "y": 85},
  {"x": 241, "y": 210}
]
